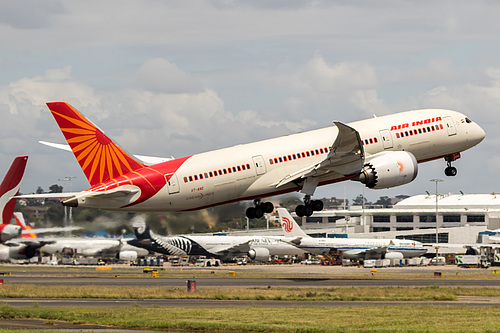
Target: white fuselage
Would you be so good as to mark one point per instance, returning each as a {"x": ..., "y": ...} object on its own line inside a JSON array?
[
  {"x": 351, "y": 247},
  {"x": 253, "y": 170}
]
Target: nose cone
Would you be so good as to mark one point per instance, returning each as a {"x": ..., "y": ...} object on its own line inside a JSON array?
[{"x": 476, "y": 134}]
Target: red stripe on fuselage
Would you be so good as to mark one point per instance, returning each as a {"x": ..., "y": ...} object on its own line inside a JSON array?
[{"x": 150, "y": 179}]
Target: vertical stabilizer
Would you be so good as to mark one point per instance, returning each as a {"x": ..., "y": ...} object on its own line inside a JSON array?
[
  {"x": 99, "y": 157},
  {"x": 10, "y": 187},
  {"x": 289, "y": 225},
  {"x": 24, "y": 224}
]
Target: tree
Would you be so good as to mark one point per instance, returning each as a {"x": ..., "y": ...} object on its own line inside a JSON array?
[
  {"x": 55, "y": 189},
  {"x": 40, "y": 190},
  {"x": 384, "y": 201},
  {"x": 360, "y": 199}
]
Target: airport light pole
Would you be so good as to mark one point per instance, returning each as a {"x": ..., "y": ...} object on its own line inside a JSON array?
[{"x": 437, "y": 226}]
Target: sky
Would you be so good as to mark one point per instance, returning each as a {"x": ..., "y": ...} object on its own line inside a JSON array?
[{"x": 175, "y": 78}]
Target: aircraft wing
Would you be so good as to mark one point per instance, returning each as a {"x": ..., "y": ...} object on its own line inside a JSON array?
[
  {"x": 48, "y": 230},
  {"x": 242, "y": 247},
  {"x": 64, "y": 195},
  {"x": 346, "y": 157},
  {"x": 374, "y": 250},
  {"x": 148, "y": 160}
]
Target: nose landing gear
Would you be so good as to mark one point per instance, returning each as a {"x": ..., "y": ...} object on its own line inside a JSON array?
[
  {"x": 451, "y": 171},
  {"x": 260, "y": 208}
]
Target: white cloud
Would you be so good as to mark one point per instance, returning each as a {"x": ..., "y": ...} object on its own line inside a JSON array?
[{"x": 159, "y": 75}]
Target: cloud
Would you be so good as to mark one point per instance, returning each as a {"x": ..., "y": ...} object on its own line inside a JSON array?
[
  {"x": 159, "y": 75},
  {"x": 29, "y": 14}
]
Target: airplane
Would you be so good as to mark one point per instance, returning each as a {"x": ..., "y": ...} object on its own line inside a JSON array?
[
  {"x": 222, "y": 247},
  {"x": 380, "y": 152},
  {"x": 349, "y": 248},
  {"x": 93, "y": 247},
  {"x": 27, "y": 247},
  {"x": 8, "y": 189}
]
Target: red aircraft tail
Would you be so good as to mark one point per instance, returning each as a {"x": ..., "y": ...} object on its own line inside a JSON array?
[
  {"x": 10, "y": 187},
  {"x": 99, "y": 157}
]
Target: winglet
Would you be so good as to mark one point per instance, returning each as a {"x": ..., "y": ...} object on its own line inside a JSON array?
[
  {"x": 99, "y": 157},
  {"x": 289, "y": 225},
  {"x": 10, "y": 187}
]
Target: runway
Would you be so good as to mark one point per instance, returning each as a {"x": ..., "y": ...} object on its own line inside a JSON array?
[
  {"x": 259, "y": 276},
  {"x": 244, "y": 282}
]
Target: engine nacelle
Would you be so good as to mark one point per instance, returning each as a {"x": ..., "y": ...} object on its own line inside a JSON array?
[
  {"x": 127, "y": 255},
  {"x": 388, "y": 169},
  {"x": 259, "y": 254},
  {"x": 393, "y": 255}
]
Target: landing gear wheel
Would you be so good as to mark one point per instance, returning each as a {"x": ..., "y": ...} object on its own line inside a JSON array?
[
  {"x": 450, "y": 171},
  {"x": 260, "y": 208},
  {"x": 250, "y": 212},
  {"x": 308, "y": 210},
  {"x": 317, "y": 205},
  {"x": 267, "y": 207},
  {"x": 300, "y": 210}
]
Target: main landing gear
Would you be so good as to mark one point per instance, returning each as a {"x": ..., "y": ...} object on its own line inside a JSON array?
[
  {"x": 451, "y": 171},
  {"x": 260, "y": 208},
  {"x": 309, "y": 207}
]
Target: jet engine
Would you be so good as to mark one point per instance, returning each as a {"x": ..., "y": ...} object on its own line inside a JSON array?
[
  {"x": 393, "y": 255},
  {"x": 259, "y": 254},
  {"x": 127, "y": 255},
  {"x": 388, "y": 169}
]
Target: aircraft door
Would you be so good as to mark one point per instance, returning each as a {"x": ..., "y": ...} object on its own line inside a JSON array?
[
  {"x": 172, "y": 183},
  {"x": 258, "y": 162},
  {"x": 386, "y": 138},
  {"x": 450, "y": 126}
]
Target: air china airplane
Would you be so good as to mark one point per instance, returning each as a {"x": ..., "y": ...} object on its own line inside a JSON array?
[
  {"x": 380, "y": 152},
  {"x": 349, "y": 248},
  {"x": 222, "y": 247}
]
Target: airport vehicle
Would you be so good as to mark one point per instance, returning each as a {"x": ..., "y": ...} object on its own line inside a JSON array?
[
  {"x": 472, "y": 261},
  {"x": 380, "y": 152},
  {"x": 8, "y": 189},
  {"x": 219, "y": 247},
  {"x": 203, "y": 261},
  {"x": 348, "y": 248}
]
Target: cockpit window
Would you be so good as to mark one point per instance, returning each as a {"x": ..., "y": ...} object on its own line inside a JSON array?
[{"x": 468, "y": 120}]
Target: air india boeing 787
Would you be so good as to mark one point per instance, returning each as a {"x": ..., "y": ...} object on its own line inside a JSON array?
[{"x": 380, "y": 152}]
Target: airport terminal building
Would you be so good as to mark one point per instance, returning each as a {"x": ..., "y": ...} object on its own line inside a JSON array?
[{"x": 462, "y": 218}]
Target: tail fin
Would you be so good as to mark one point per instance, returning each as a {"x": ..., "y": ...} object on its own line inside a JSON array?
[
  {"x": 23, "y": 223},
  {"x": 141, "y": 229},
  {"x": 289, "y": 225},
  {"x": 10, "y": 187},
  {"x": 99, "y": 157}
]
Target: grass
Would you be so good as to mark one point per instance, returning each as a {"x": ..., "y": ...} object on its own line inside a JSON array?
[
  {"x": 435, "y": 293},
  {"x": 404, "y": 318}
]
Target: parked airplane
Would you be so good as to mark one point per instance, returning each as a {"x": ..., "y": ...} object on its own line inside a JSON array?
[
  {"x": 30, "y": 244},
  {"x": 8, "y": 188},
  {"x": 222, "y": 247},
  {"x": 93, "y": 247},
  {"x": 381, "y": 152},
  {"x": 349, "y": 248}
]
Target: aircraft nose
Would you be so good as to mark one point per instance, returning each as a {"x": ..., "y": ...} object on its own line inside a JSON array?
[{"x": 477, "y": 134}]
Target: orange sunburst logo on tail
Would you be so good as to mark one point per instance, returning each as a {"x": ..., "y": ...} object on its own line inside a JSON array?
[{"x": 99, "y": 157}]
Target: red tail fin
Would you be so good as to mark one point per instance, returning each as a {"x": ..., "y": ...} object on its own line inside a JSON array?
[
  {"x": 10, "y": 187},
  {"x": 99, "y": 157}
]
